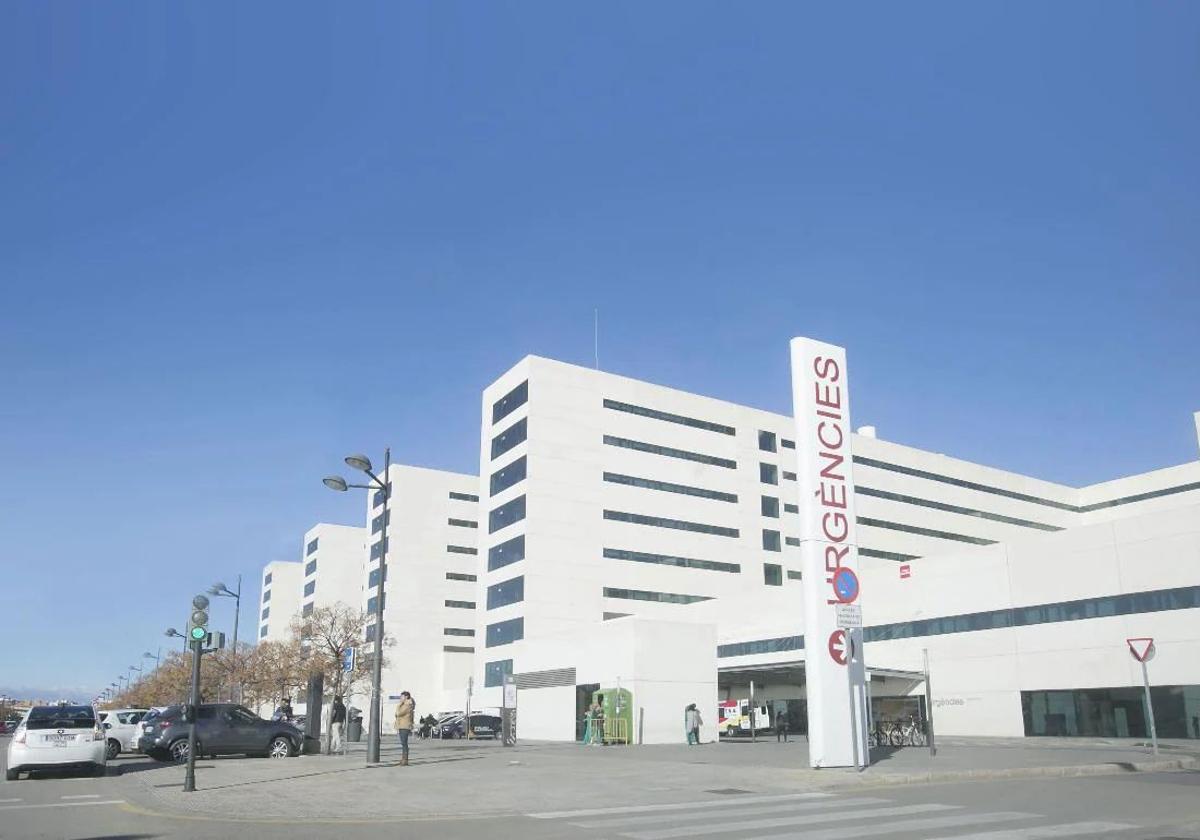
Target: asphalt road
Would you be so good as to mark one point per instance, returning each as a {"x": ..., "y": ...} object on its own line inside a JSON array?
[{"x": 1161, "y": 805}]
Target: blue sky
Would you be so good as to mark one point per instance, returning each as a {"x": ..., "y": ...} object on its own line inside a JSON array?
[{"x": 238, "y": 241}]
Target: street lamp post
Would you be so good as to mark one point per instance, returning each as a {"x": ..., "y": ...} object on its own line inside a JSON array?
[
  {"x": 157, "y": 657},
  {"x": 133, "y": 668},
  {"x": 221, "y": 590},
  {"x": 334, "y": 482}
]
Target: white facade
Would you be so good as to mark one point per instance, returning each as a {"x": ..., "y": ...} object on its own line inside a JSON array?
[
  {"x": 429, "y": 587},
  {"x": 606, "y": 496},
  {"x": 335, "y": 559},
  {"x": 279, "y": 601}
]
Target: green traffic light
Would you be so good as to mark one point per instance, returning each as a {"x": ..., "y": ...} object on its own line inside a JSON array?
[{"x": 199, "y": 633}]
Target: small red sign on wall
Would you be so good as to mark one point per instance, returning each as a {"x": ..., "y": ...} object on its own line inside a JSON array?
[{"x": 905, "y": 571}]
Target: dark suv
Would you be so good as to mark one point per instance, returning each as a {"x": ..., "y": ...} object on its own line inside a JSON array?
[{"x": 221, "y": 729}]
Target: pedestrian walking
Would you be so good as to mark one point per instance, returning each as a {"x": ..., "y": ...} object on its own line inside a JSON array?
[
  {"x": 781, "y": 729},
  {"x": 692, "y": 723},
  {"x": 404, "y": 724},
  {"x": 598, "y": 717},
  {"x": 337, "y": 721}
]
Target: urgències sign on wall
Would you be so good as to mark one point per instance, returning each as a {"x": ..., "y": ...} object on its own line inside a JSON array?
[{"x": 835, "y": 674}]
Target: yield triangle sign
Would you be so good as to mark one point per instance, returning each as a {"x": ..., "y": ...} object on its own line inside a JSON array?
[{"x": 1142, "y": 649}]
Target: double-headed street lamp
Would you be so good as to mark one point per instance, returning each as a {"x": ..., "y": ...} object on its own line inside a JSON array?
[
  {"x": 172, "y": 633},
  {"x": 157, "y": 657},
  {"x": 219, "y": 589},
  {"x": 336, "y": 482},
  {"x": 133, "y": 668}
]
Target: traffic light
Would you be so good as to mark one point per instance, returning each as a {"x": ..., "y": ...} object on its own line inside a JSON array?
[
  {"x": 215, "y": 640},
  {"x": 199, "y": 629}
]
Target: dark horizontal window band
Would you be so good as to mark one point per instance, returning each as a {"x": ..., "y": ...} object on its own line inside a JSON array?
[
  {"x": 886, "y": 555},
  {"x": 464, "y": 497},
  {"x": 1133, "y": 603},
  {"x": 669, "y": 452},
  {"x": 1140, "y": 497},
  {"x": 462, "y": 523},
  {"x": 668, "y": 487},
  {"x": 645, "y": 595},
  {"x": 676, "y": 524},
  {"x": 924, "y": 532},
  {"x": 655, "y": 414},
  {"x": 457, "y": 649},
  {"x": 461, "y": 549},
  {"x": 965, "y": 511},
  {"x": 671, "y": 560}
]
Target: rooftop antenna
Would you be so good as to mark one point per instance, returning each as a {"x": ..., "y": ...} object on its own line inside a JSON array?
[{"x": 596, "y": 336}]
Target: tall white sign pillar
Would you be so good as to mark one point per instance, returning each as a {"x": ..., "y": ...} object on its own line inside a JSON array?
[{"x": 835, "y": 675}]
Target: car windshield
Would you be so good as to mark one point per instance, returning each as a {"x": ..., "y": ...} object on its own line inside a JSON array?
[{"x": 61, "y": 717}]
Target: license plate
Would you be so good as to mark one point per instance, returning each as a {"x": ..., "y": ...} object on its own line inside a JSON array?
[{"x": 61, "y": 740}]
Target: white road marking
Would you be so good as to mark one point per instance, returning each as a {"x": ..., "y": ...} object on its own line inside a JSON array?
[
  {"x": 81, "y": 796},
  {"x": 902, "y": 825},
  {"x": 1061, "y": 830},
  {"x": 62, "y": 805},
  {"x": 780, "y": 822},
  {"x": 742, "y": 812},
  {"x": 9, "y": 800},
  {"x": 677, "y": 806}
]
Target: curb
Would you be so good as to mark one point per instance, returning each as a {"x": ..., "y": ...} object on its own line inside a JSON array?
[{"x": 1114, "y": 768}]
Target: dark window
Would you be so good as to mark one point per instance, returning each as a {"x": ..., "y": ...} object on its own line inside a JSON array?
[
  {"x": 654, "y": 414},
  {"x": 61, "y": 717},
  {"x": 495, "y": 672},
  {"x": 669, "y": 560},
  {"x": 609, "y": 616},
  {"x": 668, "y": 487},
  {"x": 766, "y": 441},
  {"x": 772, "y": 574},
  {"x": 377, "y": 498},
  {"x": 791, "y": 508},
  {"x": 464, "y": 497},
  {"x": 263, "y": 632},
  {"x": 770, "y": 507},
  {"x": 461, "y": 549},
  {"x": 310, "y": 587},
  {"x": 505, "y": 632},
  {"x": 308, "y": 608},
  {"x": 1110, "y": 712},
  {"x": 373, "y": 600},
  {"x": 460, "y": 576},
  {"x": 506, "y": 514},
  {"x": 312, "y": 546},
  {"x": 377, "y": 522},
  {"x": 925, "y": 532},
  {"x": 965, "y": 511},
  {"x": 463, "y": 523},
  {"x": 792, "y": 541},
  {"x": 377, "y": 549},
  {"x": 662, "y": 597},
  {"x": 768, "y": 473},
  {"x": 510, "y": 437},
  {"x": 794, "y": 575},
  {"x": 787, "y": 444},
  {"x": 789, "y": 476},
  {"x": 677, "y": 524},
  {"x": 457, "y": 649},
  {"x": 373, "y": 578},
  {"x": 267, "y": 596},
  {"x": 267, "y": 579},
  {"x": 310, "y": 568},
  {"x": 669, "y": 452},
  {"x": 886, "y": 555},
  {"x": 507, "y": 476},
  {"x": 461, "y": 605},
  {"x": 780, "y": 645},
  {"x": 506, "y": 592},
  {"x": 506, "y": 552},
  {"x": 266, "y": 613},
  {"x": 510, "y": 402},
  {"x": 771, "y": 540},
  {"x": 457, "y": 631}
]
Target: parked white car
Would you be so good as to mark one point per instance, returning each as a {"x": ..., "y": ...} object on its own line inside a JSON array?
[
  {"x": 121, "y": 729},
  {"x": 139, "y": 728},
  {"x": 56, "y": 738}
]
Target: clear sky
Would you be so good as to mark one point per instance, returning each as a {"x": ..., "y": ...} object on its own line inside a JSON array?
[{"x": 238, "y": 241}]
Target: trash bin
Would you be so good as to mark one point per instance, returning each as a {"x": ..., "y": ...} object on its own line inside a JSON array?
[{"x": 354, "y": 726}]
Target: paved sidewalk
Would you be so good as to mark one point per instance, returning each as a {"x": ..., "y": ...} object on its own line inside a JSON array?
[{"x": 458, "y": 778}]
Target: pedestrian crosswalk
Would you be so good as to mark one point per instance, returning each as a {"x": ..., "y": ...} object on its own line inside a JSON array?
[{"x": 820, "y": 816}]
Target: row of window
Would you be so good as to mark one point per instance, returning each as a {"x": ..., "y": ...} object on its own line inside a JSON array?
[
  {"x": 670, "y": 452},
  {"x": 507, "y": 476},
  {"x": 457, "y": 649},
  {"x": 457, "y": 631},
  {"x": 460, "y": 576},
  {"x": 505, "y": 632},
  {"x": 506, "y": 592},
  {"x": 677, "y": 524},
  {"x": 460, "y": 605},
  {"x": 514, "y": 435},
  {"x": 965, "y": 511},
  {"x": 925, "y": 532},
  {"x": 1134, "y": 603},
  {"x": 310, "y": 567},
  {"x": 464, "y": 497},
  {"x": 510, "y": 402},
  {"x": 667, "y": 417},
  {"x": 461, "y": 549},
  {"x": 661, "y": 597},
  {"x": 509, "y": 551},
  {"x": 506, "y": 514},
  {"x": 668, "y": 487},
  {"x": 886, "y": 555},
  {"x": 671, "y": 560}
]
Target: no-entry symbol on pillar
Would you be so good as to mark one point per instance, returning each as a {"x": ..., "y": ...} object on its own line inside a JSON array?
[{"x": 839, "y": 647}]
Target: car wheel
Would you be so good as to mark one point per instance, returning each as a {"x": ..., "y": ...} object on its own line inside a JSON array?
[
  {"x": 11, "y": 775},
  {"x": 179, "y": 751},
  {"x": 113, "y": 749},
  {"x": 280, "y": 747}
]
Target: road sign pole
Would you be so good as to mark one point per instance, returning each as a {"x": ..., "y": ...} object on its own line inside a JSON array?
[
  {"x": 753, "y": 737},
  {"x": 929, "y": 708},
  {"x": 858, "y": 765},
  {"x": 1149, "y": 707}
]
